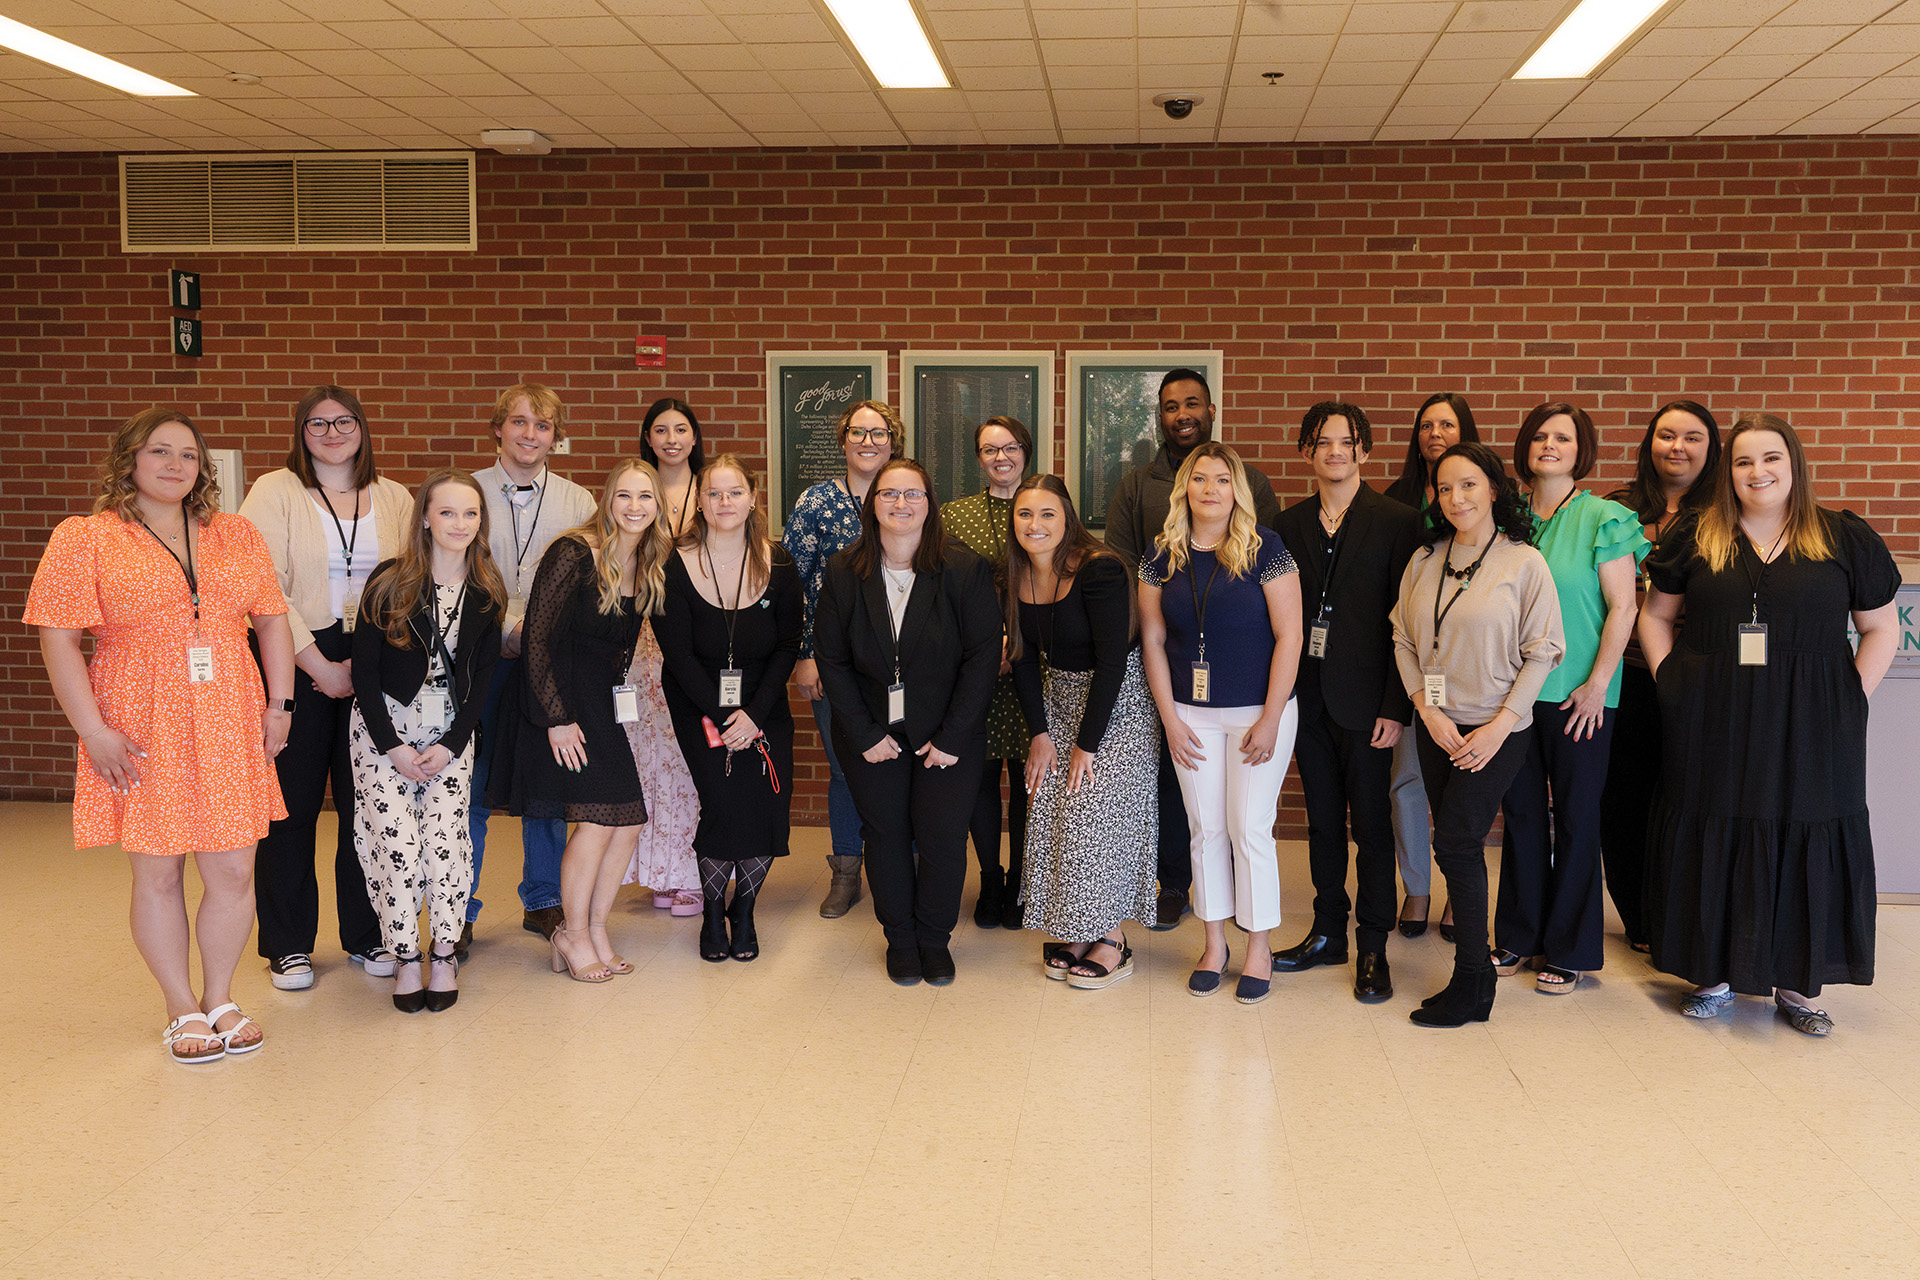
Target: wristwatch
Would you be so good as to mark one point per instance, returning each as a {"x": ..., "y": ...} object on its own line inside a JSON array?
[{"x": 280, "y": 704}]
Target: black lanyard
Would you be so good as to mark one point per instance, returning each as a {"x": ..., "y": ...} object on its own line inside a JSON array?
[
  {"x": 186, "y": 566},
  {"x": 1466, "y": 580},
  {"x": 1334, "y": 543},
  {"x": 439, "y": 633},
  {"x": 844, "y": 489},
  {"x": 1539, "y": 526},
  {"x": 346, "y": 543},
  {"x": 1758, "y": 580},
  {"x": 677, "y": 527},
  {"x": 731, "y": 616},
  {"x": 1199, "y": 600},
  {"x": 1046, "y": 646},
  {"x": 893, "y": 628},
  {"x": 513, "y": 520}
]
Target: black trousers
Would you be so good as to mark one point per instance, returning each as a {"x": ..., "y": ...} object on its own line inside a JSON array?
[
  {"x": 1550, "y": 896},
  {"x": 914, "y": 822},
  {"x": 1175, "y": 862},
  {"x": 285, "y": 888},
  {"x": 1347, "y": 780},
  {"x": 1464, "y": 806},
  {"x": 1633, "y": 780},
  {"x": 985, "y": 822}
]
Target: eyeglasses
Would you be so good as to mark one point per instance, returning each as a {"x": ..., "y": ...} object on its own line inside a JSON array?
[
  {"x": 901, "y": 495},
  {"x": 331, "y": 426},
  {"x": 879, "y": 435},
  {"x": 725, "y": 495},
  {"x": 999, "y": 450}
]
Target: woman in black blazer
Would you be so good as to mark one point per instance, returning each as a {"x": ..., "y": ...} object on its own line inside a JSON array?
[
  {"x": 907, "y": 636},
  {"x": 427, "y": 637}
]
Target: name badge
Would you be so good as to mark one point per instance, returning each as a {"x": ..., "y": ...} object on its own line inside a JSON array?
[
  {"x": 1202, "y": 682},
  {"x": 730, "y": 682},
  {"x": 1317, "y": 640},
  {"x": 436, "y": 708},
  {"x": 1436, "y": 689},
  {"x": 199, "y": 663},
  {"x": 350, "y": 610},
  {"x": 896, "y": 704},
  {"x": 1753, "y": 644},
  {"x": 626, "y": 704}
]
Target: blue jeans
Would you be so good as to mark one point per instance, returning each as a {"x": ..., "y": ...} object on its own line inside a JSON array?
[
  {"x": 542, "y": 840},
  {"x": 842, "y": 818}
]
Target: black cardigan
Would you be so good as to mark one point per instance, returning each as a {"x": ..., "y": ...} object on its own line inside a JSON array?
[
  {"x": 949, "y": 645},
  {"x": 380, "y": 669}
]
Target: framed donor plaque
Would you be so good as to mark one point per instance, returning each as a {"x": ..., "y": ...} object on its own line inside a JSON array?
[
  {"x": 1113, "y": 417},
  {"x": 807, "y": 391},
  {"x": 946, "y": 394}
]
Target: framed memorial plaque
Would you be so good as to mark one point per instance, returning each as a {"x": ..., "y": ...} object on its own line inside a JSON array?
[
  {"x": 807, "y": 391},
  {"x": 946, "y": 394},
  {"x": 1113, "y": 419}
]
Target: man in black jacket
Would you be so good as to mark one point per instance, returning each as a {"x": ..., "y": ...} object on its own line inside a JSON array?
[
  {"x": 1134, "y": 519},
  {"x": 1352, "y": 546}
]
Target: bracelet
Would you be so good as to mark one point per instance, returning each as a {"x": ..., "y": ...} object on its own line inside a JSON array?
[{"x": 102, "y": 729}]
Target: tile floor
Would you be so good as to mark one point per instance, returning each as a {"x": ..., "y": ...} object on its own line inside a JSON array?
[{"x": 800, "y": 1116}]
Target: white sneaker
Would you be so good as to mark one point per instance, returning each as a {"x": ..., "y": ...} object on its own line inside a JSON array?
[
  {"x": 379, "y": 963},
  {"x": 292, "y": 973}
]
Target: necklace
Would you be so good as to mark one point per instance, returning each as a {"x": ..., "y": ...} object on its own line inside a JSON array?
[
  {"x": 1211, "y": 546},
  {"x": 1332, "y": 519}
]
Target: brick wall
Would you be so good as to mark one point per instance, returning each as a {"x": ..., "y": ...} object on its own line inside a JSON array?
[{"x": 1744, "y": 273}]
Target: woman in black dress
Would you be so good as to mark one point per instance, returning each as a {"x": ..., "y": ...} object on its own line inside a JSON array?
[
  {"x": 1760, "y": 859},
  {"x": 596, "y": 585},
  {"x": 1677, "y": 468},
  {"x": 728, "y": 640}
]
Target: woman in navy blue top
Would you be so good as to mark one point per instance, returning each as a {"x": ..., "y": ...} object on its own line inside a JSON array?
[{"x": 1220, "y": 637}]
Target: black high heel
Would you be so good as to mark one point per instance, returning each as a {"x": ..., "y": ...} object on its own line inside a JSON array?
[
  {"x": 713, "y": 930},
  {"x": 1410, "y": 927},
  {"x": 1467, "y": 997},
  {"x": 441, "y": 1001},
  {"x": 746, "y": 942}
]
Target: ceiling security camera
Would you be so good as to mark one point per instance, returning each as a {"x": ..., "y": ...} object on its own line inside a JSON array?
[{"x": 1178, "y": 106}]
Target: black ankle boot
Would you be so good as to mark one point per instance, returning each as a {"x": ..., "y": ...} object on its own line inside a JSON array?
[
  {"x": 1467, "y": 997},
  {"x": 746, "y": 943},
  {"x": 713, "y": 929},
  {"x": 986, "y": 912}
]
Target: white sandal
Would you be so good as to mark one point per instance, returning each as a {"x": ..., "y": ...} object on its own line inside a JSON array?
[
  {"x": 178, "y": 1030},
  {"x": 226, "y": 1037}
]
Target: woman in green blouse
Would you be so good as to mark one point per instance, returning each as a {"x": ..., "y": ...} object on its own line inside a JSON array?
[
  {"x": 1005, "y": 447},
  {"x": 1550, "y": 908}
]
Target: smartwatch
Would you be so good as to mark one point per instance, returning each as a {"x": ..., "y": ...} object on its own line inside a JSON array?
[{"x": 280, "y": 704}]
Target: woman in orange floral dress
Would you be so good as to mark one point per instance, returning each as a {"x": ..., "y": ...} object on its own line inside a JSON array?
[{"x": 177, "y": 735}]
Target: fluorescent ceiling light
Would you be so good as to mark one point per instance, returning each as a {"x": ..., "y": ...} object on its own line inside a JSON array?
[
  {"x": 891, "y": 42},
  {"x": 1583, "y": 41},
  {"x": 71, "y": 57}
]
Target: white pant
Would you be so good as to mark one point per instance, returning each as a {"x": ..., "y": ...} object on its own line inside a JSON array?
[{"x": 1231, "y": 806}]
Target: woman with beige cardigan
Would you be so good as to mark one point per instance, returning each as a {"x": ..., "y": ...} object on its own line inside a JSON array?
[{"x": 327, "y": 519}]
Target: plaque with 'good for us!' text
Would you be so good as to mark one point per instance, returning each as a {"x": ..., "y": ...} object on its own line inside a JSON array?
[{"x": 807, "y": 391}]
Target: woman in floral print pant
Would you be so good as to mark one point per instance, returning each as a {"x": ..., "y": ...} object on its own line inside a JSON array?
[{"x": 424, "y": 646}]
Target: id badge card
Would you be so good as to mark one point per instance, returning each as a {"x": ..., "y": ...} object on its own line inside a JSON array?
[
  {"x": 730, "y": 682},
  {"x": 626, "y": 704},
  {"x": 1436, "y": 688},
  {"x": 1202, "y": 682},
  {"x": 1753, "y": 644},
  {"x": 1317, "y": 640},
  {"x": 199, "y": 663},
  {"x": 350, "y": 609},
  {"x": 896, "y": 704},
  {"x": 436, "y": 708}
]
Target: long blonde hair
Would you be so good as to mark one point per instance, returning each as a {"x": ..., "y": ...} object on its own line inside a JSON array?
[
  {"x": 393, "y": 597},
  {"x": 117, "y": 493},
  {"x": 1239, "y": 551},
  {"x": 650, "y": 567},
  {"x": 759, "y": 546},
  {"x": 1718, "y": 534}
]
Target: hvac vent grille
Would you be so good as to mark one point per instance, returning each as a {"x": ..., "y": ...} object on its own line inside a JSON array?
[{"x": 321, "y": 200}]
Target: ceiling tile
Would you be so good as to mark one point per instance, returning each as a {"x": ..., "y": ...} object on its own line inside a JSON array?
[
  {"x": 1092, "y": 77},
  {"x": 779, "y": 28},
  {"x": 1088, "y": 53},
  {"x": 1369, "y": 72},
  {"x": 995, "y": 78},
  {"x": 1369, "y": 48},
  {"x": 1530, "y": 16},
  {"x": 1193, "y": 20},
  {"x": 1416, "y": 15},
  {"x": 682, "y": 29},
  {"x": 1464, "y": 71},
  {"x": 991, "y": 53},
  {"x": 1185, "y": 51},
  {"x": 1768, "y": 67},
  {"x": 1815, "y": 11},
  {"x": 1293, "y": 19}
]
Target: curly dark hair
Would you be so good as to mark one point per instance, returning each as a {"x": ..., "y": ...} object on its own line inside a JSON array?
[
  {"x": 1511, "y": 514},
  {"x": 1317, "y": 418}
]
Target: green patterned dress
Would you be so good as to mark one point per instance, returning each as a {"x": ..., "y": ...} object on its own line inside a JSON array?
[{"x": 981, "y": 521}]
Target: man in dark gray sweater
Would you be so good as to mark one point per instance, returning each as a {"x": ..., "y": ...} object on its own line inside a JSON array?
[{"x": 1134, "y": 519}]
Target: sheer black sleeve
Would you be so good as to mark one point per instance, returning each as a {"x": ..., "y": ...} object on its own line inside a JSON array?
[
  {"x": 566, "y": 566},
  {"x": 1103, "y": 592}
]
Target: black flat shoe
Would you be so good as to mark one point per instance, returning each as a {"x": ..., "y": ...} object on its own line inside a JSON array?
[
  {"x": 936, "y": 966},
  {"x": 903, "y": 965},
  {"x": 1446, "y": 925},
  {"x": 1204, "y": 982},
  {"x": 1252, "y": 990},
  {"x": 411, "y": 1002},
  {"x": 1411, "y": 926},
  {"x": 441, "y": 1001},
  {"x": 1315, "y": 948},
  {"x": 1372, "y": 980}
]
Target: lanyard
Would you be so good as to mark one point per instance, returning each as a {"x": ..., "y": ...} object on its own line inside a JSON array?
[
  {"x": 1046, "y": 646},
  {"x": 676, "y": 528},
  {"x": 346, "y": 543},
  {"x": 1542, "y": 524},
  {"x": 1466, "y": 580},
  {"x": 1758, "y": 580},
  {"x": 844, "y": 489},
  {"x": 433, "y": 621},
  {"x": 732, "y": 616},
  {"x": 513, "y": 517},
  {"x": 186, "y": 566},
  {"x": 1200, "y": 601},
  {"x": 893, "y": 628},
  {"x": 1334, "y": 543}
]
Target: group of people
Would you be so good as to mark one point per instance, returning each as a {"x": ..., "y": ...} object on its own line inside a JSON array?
[{"x": 1656, "y": 688}]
